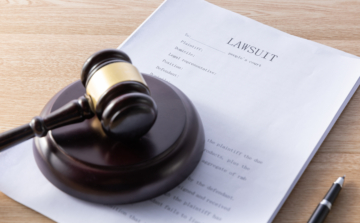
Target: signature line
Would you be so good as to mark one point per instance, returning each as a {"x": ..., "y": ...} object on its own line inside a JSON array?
[{"x": 206, "y": 45}]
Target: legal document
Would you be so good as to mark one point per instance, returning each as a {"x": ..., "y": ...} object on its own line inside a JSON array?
[{"x": 267, "y": 101}]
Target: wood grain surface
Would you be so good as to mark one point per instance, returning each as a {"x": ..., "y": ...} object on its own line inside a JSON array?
[{"x": 43, "y": 44}]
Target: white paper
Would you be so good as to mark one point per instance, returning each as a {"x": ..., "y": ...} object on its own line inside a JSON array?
[{"x": 264, "y": 117}]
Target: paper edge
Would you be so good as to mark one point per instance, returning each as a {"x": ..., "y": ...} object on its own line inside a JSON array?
[
  {"x": 328, "y": 129},
  {"x": 142, "y": 24}
]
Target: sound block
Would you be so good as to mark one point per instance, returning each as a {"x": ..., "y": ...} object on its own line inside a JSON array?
[{"x": 81, "y": 160}]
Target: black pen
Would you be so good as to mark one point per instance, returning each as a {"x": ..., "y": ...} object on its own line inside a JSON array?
[{"x": 324, "y": 207}]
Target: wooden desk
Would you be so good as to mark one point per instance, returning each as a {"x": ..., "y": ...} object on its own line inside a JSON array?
[{"x": 43, "y": 44}]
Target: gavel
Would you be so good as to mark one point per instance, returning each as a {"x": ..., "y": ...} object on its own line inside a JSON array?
[
  {"x": 116, "y": 93},
  {"x": 124, "y": 145}
]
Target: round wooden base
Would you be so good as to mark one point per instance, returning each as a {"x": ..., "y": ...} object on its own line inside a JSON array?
[{"x": 82, "y": 161}]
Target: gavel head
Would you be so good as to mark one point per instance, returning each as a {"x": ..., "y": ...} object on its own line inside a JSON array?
[{"x": 118, "y": 95}]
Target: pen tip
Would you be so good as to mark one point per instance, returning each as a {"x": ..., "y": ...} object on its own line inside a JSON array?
[{"x": 340, "y": 181}]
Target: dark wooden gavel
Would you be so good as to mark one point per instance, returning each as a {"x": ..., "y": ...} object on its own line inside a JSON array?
[{"x": 115, "y": 91}]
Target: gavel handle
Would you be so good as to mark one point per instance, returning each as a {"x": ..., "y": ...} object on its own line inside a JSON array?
[{"x": 73, "y": 112}]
